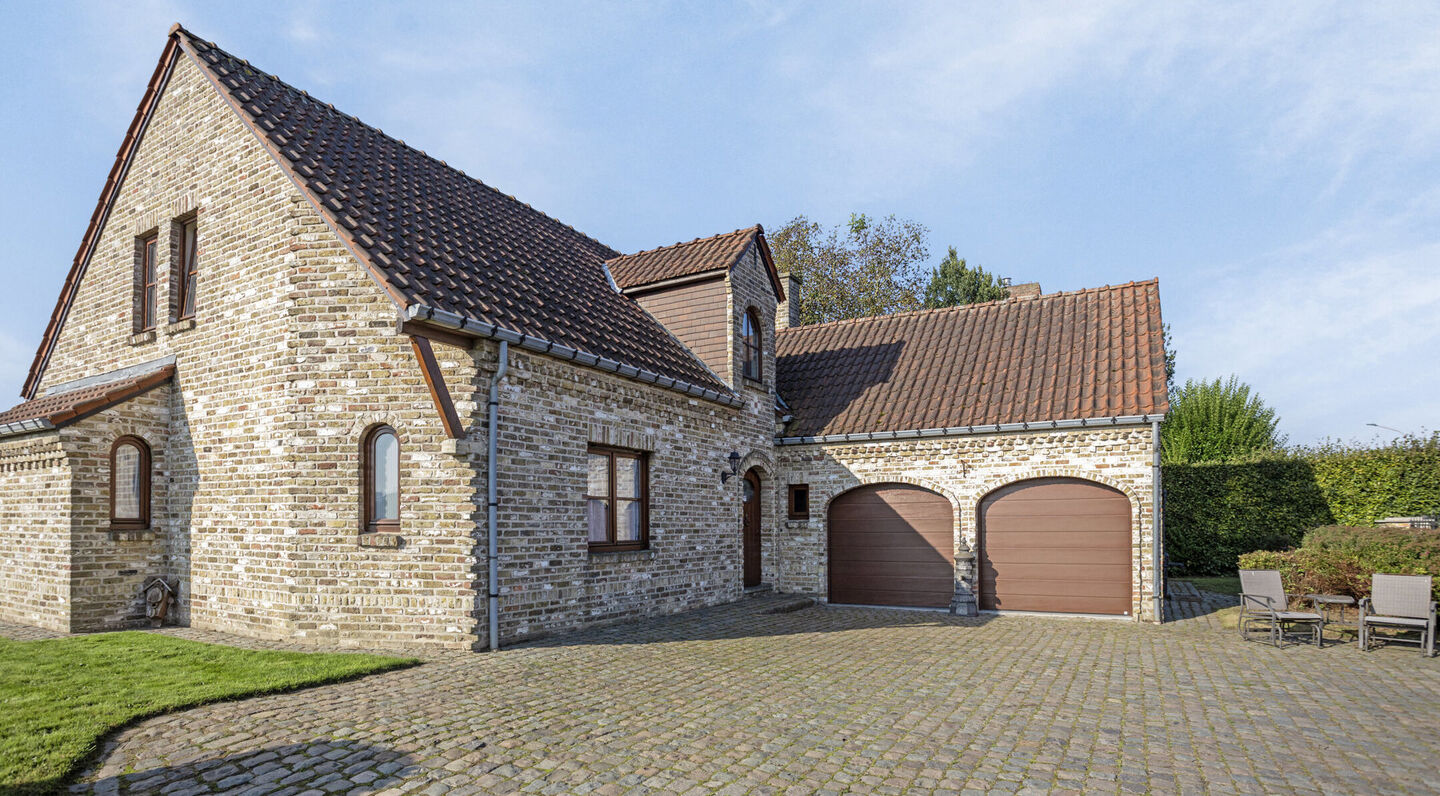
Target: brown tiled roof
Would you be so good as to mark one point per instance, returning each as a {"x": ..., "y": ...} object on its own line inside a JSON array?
[
  {"x": 58, "y": 409},
  {"x": 433, "y": 236},
  {"x": 717, "y": 253},
  {"x": 1066, "y": 356}
]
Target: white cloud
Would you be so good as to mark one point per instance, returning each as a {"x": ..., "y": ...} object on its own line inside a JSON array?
[{"x": 1334, "y": 333}]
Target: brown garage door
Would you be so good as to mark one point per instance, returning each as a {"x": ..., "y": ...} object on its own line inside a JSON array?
[
  {"x": 1055, "y": 544},
  {"x": 891, "y": 544}
]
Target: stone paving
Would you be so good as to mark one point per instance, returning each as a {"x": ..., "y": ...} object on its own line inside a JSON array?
[{"x": 745, "y": 699}]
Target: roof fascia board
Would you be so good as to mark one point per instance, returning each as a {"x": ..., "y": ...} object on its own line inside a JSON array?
[
  {"x": 129, "y": 372},
  {"x": 159, "y": 80},
  {"x": 965, "y": 431},
  {"x": 451, "y": 320},
  {"x": 769, "y": 263},
  {"x": 650, "y": 287}
]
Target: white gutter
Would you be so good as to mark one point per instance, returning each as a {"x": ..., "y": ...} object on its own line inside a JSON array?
[
  {"x": 25, "y": 427},
  {"x": 964, "y": 431},
  {"x": 451, "y": 320},
  {"x": 492, "y": 533},
  {"x": 1157, "y": 510}
]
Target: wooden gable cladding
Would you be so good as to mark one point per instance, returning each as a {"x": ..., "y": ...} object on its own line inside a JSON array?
[{"x": 696, "y": 314}]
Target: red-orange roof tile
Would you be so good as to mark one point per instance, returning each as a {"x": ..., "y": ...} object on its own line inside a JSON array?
[
  {"x": 716, "y": 253},
  {"x": 71, "y": 405},
  {"x": 1065, "y": 356}
]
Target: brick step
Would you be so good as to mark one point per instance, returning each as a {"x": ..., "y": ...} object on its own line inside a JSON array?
[{"x": 1182, "y": 590}]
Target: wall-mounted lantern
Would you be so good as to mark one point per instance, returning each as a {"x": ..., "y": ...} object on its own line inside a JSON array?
[{"x": 734, "y": 468}]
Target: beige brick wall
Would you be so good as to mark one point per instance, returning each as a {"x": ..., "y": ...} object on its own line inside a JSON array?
[
  {"x": 35, "y": 522},
  {"x": 107, "y": 568},
  {"x": 965, "y": 469}
]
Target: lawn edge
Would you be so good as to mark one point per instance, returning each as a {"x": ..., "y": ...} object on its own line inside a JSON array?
[{"x": 58, "y": 783}]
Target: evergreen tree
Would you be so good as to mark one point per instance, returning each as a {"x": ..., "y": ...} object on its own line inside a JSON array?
[{"x": 955, "y": 283}]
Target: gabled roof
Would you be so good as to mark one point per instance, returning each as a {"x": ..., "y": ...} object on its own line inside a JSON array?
[
  {"x": 432, "y": 237},
  {"x": 716, "y": 254},
  {"x": 59, "y": 409},
  {"x": 1095, "y": 353}
]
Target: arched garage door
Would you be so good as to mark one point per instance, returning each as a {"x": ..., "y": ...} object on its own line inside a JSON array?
[
  {"x": 1055, "y": 544},
  {"x": 892, "y": 544}
]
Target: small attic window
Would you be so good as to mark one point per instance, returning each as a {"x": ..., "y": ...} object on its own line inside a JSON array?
[{"x": 753, "y": 348}]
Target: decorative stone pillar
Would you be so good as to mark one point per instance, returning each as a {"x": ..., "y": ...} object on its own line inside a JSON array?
[{"x": 964, "y": 603}]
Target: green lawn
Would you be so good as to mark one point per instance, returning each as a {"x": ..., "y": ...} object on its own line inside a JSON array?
[
  {"x": 1224, "y": 584},
  {"x": 59, "y": 697}
]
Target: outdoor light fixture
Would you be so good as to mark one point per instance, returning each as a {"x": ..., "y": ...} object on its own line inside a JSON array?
[
  {"x": 734, "y": 467},
  {"x": 1387, "y": 428}
]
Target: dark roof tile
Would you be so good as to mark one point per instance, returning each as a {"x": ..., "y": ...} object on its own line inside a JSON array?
[
  {"x": 438, "y": 238},
  {"x": 1066, "y": 356},
  {"x": 70, "y": 405}
]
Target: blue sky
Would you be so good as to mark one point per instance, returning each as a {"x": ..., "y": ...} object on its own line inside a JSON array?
[{"x": 1277, "y": 166}]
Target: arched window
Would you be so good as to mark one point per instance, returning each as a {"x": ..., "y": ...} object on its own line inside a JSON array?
[
  {"x": 750, "y": 338},
  {"x": 130, "y": 484},
  {"x": 381, "y": 480}
]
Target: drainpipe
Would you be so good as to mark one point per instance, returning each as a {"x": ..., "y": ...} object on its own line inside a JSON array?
[
  {"x": 492, "y": 553},
  {"x": 1158, "y": 521}
]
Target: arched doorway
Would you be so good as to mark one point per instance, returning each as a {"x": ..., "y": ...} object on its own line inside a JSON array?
[
  {"x": 1058, "y": 545},
  {"x": 892, "y": 544},
  {"x": 751, "y": 532}
]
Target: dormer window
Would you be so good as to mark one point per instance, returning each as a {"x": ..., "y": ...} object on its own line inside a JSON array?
[{"x": 751, "y": 343}]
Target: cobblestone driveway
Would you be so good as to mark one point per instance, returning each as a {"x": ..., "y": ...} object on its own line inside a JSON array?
[{"x": 826, "y": 700}]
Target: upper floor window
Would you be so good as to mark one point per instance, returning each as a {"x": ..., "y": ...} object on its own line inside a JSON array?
[
  {"x": 750, "y": 339},
  {"x": 381, "y": 480},
  {"x": 146, "y": 283},
  {"x": 617, "y": 499},
  {"x": 130, "y": 484},
  {"x": 185, "y": 270}
]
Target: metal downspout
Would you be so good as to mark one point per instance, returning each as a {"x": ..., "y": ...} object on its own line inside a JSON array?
[
  {"x": 492, "y": 552},
  {"x": 1158, "y": 520}
]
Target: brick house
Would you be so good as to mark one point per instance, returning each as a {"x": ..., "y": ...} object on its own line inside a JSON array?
[{"x": 335, "y": 390}]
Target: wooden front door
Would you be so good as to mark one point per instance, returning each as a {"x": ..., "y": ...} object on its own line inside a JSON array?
[{"x": 752, "y": 529}]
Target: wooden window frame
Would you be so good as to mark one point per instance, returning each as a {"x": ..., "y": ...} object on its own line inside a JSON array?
[
  {"x": 368, "y": 522},
  {"x": 753, "y": 352},
  {"x": 141, "y": 523},
  {"x": 790, "y": 511},
  {"x": 186, "y": 269},
  {"x": 147, "y": 282},
  {"x": 611, "y": 520}
]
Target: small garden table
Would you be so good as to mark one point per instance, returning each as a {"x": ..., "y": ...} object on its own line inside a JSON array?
[{"x": 1323, "y": 602}]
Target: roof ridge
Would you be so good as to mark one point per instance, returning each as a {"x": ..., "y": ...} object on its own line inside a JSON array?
[
  {"x": 194, "y": 37},
  {"x": 963, "y": 307},
  {"x": 752, "y": 229}
]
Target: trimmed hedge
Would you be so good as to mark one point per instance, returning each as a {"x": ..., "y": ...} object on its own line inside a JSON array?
[
  {"x": 1217, "y": 512},
  {"x": 1340, "y": 559},
  {"x": 1363, "y": 485}
]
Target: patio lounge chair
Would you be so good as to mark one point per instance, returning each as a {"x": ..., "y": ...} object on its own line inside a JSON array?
[
  {"x": 1401, "y": 601},
  {"x": 1263, "y": 601}
]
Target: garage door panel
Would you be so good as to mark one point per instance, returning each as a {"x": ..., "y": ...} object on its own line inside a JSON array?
[
  {"x": 1079, "y": 557},
  {"x": 1112, "y": 605},
  {"x": 1060, "y": 545},
  {"x": 891, "y": 545}
]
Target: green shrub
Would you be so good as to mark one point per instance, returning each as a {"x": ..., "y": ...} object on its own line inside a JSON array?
[
  {"x": 1216, "y": 512},
  {"x": 1364, "y": 485},
  {"x": 1340, "y": 560}
]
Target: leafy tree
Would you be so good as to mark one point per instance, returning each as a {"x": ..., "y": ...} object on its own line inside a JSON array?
[
  {"x": 955, "y": 283},
  {"x": 862, "y": 268},
  {"x": 1169, "y": 356},
  {"x": 1214, "y": 421}
]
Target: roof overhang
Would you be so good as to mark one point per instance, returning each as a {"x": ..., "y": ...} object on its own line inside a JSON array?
[
  {"x": 480, "y": 330},
  {"x": 965, "y": 431}
]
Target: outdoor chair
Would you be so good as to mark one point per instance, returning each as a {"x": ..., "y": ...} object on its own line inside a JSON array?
[
  {"x": 1263, "y": 602},
  {"x": 1400, "y": 601}
]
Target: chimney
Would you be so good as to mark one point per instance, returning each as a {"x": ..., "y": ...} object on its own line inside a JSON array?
[
  {"x": 1027, "y": 290},
  {"x": 787, "y": 314}
]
